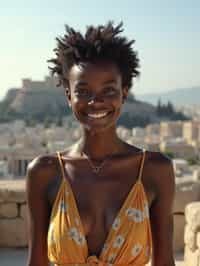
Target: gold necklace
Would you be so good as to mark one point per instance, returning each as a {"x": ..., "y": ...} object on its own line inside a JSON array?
[{"x": 95, "y": 169}]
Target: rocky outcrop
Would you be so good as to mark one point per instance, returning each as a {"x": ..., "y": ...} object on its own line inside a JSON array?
[
  {"x": 35, "y": 99},
  {"x": 39, "y": 101},
  {"x": 11, "y": 95}
]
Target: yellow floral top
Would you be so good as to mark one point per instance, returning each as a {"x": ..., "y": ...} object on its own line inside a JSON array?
[{"x": 129, "y": 241}]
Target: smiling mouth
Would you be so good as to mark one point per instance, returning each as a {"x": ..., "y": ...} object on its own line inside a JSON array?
[{"x": 99, "y": 114}]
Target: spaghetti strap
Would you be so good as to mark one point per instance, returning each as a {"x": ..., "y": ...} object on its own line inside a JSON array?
[
  {"x": 61, "y": 165},
  {"x": 141, "y": 166}
]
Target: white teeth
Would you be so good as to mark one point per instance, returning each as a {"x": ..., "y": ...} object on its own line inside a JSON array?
[{"x": 98, "y": 115}]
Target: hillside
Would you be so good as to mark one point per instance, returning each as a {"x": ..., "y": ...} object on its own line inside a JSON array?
[{"x": 179, "y": 97}]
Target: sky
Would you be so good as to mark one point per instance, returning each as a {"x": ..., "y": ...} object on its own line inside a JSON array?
[{"x": 167, "y": 38}]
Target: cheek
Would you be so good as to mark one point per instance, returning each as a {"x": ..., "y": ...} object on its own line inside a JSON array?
[
  {"x": 77, "y": 106},
  {"x": 117, "y": 101},
  {"x": 118, "y": 105},
  {"x": 75, "y": 101}
]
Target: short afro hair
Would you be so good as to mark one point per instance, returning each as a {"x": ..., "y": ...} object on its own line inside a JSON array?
[{"x": 103, "y": 42}]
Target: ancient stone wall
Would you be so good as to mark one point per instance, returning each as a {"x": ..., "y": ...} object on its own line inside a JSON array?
[
  {"x": 13, "y": 222},
  {"x": 192, "y": 235}
]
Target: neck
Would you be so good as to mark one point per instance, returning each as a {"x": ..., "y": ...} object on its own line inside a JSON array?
[{"x": 100, "y": 145}]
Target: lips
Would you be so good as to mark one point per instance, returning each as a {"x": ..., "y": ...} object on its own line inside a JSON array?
[{"x": 98, "y": 114}]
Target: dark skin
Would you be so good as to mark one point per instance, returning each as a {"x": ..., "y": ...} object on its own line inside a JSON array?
[{"x": 93, "y": 88}]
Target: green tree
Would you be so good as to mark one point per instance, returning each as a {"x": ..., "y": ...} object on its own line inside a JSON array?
[{"x": 169, "y": 154}]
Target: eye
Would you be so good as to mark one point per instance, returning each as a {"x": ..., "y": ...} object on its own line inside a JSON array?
[
  {"x": 82, "y": 92},
  {"x": 110, "y": 91}
]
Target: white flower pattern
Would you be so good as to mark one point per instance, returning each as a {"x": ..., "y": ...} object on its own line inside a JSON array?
[
  {"x": 111, "y": 257},
  {"x": 105, "y": 246},
  {"x": 129, "y": 212},
  {"x": 116, "y": 224},
  {"x": 63, "y": 206},
  {"x": 135, "y": 214},
  {"x": 74, "y": 234},
  {"x": 118, "y": 241},
  {"x": 80, "y": 239},
  {"x": 136, "y": 250}
]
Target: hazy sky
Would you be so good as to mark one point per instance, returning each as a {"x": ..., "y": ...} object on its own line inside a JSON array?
[{"x": 167, "y": 35}]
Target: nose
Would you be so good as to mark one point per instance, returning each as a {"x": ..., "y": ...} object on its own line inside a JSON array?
[{"x": 95, "y": 99}]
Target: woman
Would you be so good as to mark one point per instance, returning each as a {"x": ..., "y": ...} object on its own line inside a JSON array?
[{"x": 101, "y": 201}]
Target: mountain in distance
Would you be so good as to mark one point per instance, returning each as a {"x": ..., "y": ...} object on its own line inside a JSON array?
[{"x": 178, "y": 97}]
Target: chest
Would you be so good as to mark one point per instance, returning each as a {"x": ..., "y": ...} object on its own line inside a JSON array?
[
  {"x": 99, "y": 201},
  {"x": 100, "y": 198}
]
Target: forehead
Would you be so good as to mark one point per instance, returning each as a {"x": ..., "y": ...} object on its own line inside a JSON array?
[{"x": 95, "y": 72}]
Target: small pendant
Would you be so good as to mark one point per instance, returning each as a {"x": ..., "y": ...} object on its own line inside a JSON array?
[{"x": 96, "y": 169}]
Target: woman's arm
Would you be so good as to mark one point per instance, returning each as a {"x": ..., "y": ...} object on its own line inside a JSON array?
[
  {"x": 38, "y": 212},
  {"x": 161, "y": 213}
]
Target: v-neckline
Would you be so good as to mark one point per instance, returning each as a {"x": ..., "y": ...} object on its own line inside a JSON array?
[{"x": 124, "y": 203}]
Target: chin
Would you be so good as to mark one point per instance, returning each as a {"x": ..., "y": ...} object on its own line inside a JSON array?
[{"x": 96, "y": 129}]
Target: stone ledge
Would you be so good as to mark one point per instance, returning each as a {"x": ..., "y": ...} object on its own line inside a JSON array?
[
  {"x": 17, "y": 236},
  {"x": 186, "y": 192},
  {"x": 13, "y": 220},
  {"x": 12, "y": 191},
  {"x": 8, "y": 210}
]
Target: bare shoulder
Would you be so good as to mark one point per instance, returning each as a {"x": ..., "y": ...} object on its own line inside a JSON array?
[
  {"x": 42, "y": 162},
  {"x": 41, "y": 170},
  {"x": 160, "y": 167},
  {"x": 158, "y": 161}
]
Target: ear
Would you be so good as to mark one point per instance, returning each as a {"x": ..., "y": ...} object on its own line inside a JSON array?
[
  {"x": 68, "y": 95},
  {"x": 124, "y": 93}
]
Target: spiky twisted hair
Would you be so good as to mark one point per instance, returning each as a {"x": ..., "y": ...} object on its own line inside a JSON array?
[{"x": 103, "y": 42}]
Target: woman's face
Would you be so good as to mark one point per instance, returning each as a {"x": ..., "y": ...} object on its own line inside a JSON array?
[{"x": 95, "y": 94}]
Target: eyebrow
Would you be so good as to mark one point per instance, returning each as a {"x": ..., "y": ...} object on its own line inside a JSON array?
[
  {"x": 81, "y": 83},
  {"x": 109, "y": 81},
  {"x": 84, "y": 83}
]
